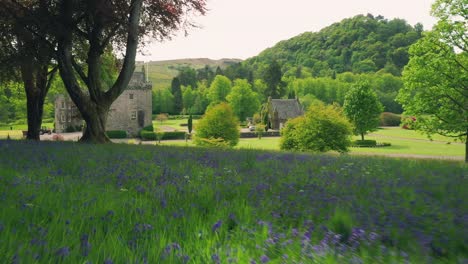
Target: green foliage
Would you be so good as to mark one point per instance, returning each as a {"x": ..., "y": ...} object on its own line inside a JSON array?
[
  {"x": 219, "y": 89},
  {"x": 148, "y": 128},
  {"x": 218, "y": 125},
  {"x": 364, "y": 143},
  {"x": 243, "y": 100},
  {"x": 272, "y": 78},
  {"x": 116, "y": 133},
  {"x": 323, "y": 128},
  {"x": 166, "y": 135},
  {"x": 435, "y": 78},
  {"x": 259, "y": 130},
  {"x": 163, "y": 102},
  {"x": 342, "y": 223},
  {"x": 389, "y": 119},
  {"x": 359, "y": 44},
  {"x": 363, "y": 108},
  {"x": 177, "y": 93}
]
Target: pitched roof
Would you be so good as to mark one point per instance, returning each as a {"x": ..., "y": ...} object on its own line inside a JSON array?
[
  {"x": 287, "y": 108},
  {"x": 138, "y": 82}
]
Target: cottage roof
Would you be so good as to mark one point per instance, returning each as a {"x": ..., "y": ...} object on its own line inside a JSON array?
[{"x": 287, "y": 108}]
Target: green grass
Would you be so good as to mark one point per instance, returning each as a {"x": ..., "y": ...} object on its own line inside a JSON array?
[
  {"x": 22, "y": 127},
  {"x": 407, "y": 134},
  {"x": 127, "y": 204},
  {"x": 404, "y": 142}
]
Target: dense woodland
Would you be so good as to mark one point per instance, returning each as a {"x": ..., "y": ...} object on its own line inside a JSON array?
[{"x": 312, "y": 66}]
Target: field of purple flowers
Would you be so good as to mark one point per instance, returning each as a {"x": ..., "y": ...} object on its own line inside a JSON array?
[{"x": 74, "y": 203}]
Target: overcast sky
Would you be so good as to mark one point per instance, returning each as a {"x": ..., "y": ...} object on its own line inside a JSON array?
[{"x": 243, "y": 28}]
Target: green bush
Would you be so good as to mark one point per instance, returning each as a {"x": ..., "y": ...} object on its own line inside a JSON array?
[
  {"x": 369, "y": 144},
  {"x": 219, "y": 123},
  {"x": 364, "y": 143},
  {"x": 148, "y": 128},
  {"x": 323, "y": 128},
  {"x": 149, "y": 135},
  {"x": 173, "y": 135},
  {"x": 116, "y": 133},
  {"x": 389, "y": 119}
]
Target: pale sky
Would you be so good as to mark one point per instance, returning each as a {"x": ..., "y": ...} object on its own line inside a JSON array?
[{"x": 243, "y": 28}]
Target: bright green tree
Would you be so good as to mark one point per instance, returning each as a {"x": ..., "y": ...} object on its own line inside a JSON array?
[
  {"x": 323, "y": 128},
  {"x": 218, "y": 127},
  {"x": 243, "y": 100},
  {"x": 219, "y": 89},
  {"x": 363, "y": 108},
  {"x": 436, "y": 77}
]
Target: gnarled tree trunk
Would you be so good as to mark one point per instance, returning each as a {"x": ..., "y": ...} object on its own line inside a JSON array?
[{"x": 95, "y": 103}]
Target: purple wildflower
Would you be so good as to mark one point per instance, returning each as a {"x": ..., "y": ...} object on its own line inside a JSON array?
[
  {"x": 264, "y": 259},
  {"x": 85, "y": 246},
  {"x": 215, "y": 259},
  {"x": 216, "y": 226},
  {"x": 62, "y": 252},
  {"x": 108, "y": 261}
]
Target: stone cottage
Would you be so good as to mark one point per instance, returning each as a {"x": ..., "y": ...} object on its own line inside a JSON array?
[
  {"x": 131, "y": 111},
  {"x": 280, "y": 110}
]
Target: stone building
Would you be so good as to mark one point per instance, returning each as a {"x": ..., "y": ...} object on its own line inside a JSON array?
[
  {"x": 131, "y": 111},
  {"x": 280, "y": 110}
]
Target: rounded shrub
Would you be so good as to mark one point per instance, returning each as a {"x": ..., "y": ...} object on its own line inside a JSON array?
[
  {"x": 389, "y": 119},
  {"x": 219, "y": 127},
  {"x": 323, "y": 128}
]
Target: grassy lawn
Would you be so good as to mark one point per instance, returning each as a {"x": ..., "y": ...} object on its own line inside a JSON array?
[
  {"x": 407, "y": 134},
  {"x": 174, "y": 124},
  {"x": 22, "y": 127},
  {"x": 405, "y": 142},
  {"x": 122, "y": 203}
]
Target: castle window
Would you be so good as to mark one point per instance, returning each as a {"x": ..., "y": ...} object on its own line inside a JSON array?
[
  {"x": 130, "y": 96},
  {"x": 63, "y": 118},
  {"x": 133, "y": 115},
  {"x": 69, "y": 117},
  {"x": 63, "y": 105}
]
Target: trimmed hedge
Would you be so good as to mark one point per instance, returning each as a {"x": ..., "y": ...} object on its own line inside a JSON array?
[
  {"x": 368, "y": 144},
  {"x": 390, "y": 119},
  {"x": 148, "y": 128},
  {"x": 254, "y": 134},
  {"x": 116, "y": 133},
  {"x": 172, "y": 117},
  {"x": 148, "y": 135}
]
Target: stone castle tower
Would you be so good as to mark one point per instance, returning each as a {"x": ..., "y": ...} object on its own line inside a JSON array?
[{"x": 130, "y": 112}]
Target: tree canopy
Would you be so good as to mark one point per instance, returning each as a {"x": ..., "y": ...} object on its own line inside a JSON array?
[
  {"x": 436, "y": 77},
  {"x": 363, "y": 108},
  {"x": 89, "y": 27},
  {"x": 243, "y": 100}
]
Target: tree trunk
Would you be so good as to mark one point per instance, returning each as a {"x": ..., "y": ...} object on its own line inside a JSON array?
[
  {"x": 36, "y": 87},
  {"x": 362, "y": 136},
  {"x": 95, "y": 131}
]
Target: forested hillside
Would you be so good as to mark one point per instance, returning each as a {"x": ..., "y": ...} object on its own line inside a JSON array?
[{"x": 360, "y": 44}]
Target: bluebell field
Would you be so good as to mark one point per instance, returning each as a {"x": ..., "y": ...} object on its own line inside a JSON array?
[{"x": 74, "y": 203}]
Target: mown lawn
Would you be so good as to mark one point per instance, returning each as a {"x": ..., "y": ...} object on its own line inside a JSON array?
[
  {"x": 156, "y": 204},
  {"x": 405, "y": 142}
]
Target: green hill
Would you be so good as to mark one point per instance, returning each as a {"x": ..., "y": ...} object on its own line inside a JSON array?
[
  {"x": 358, "y": 44},
  {"x": 162, "y": 72}
]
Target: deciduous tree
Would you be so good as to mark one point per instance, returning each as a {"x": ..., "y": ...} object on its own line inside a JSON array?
[
  {"x": 363, "y": 108},
  {"x": 94, "y": 25},
  {"x": 24, "y": 56},
  {"x": 243, "y": 100},
  {"x": 436, "y": 77}
]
